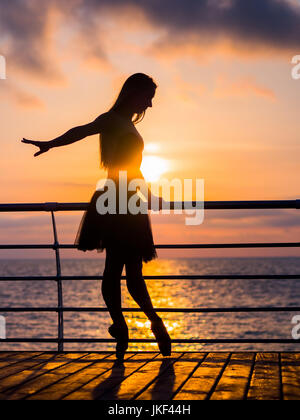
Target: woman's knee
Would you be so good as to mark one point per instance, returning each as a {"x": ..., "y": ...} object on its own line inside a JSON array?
[
  {"x": 134, "y": 270},
  {"x": 112, "y": 272},
  {"x": 113, "y": 266}
]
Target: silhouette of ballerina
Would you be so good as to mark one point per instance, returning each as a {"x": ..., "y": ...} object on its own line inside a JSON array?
[{"x": 127, "y": 238}]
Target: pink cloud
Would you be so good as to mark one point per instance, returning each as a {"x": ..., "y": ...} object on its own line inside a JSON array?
[
  {"x": 244, "y": 86},
  {"x": 21, "y": 97}
]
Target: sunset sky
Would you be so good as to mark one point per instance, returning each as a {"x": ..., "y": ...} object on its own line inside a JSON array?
[{"x": 226, "y": 110}]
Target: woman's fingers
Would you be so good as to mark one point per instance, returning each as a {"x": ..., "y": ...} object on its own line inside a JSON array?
[
  {"x": 25, "y": 141},
  {"x": 40, "y": 144},
  {"x": 38, "y": 153},
  {"x": 160, "y": 202},
  {"x": 35, "y": 143}
]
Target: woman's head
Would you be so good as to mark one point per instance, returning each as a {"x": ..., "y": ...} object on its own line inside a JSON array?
[{"x": 136, "y": 93}]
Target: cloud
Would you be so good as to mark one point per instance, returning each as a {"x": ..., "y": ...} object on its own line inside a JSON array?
[
  {"x": 27, "y": 100},
  {"x": 229, "y": 219},
  {"x": 243, "y": 87},
  {"x": 28, "y": 28},
  {"x": 224, "y": 86},
  {"x": 13, "y": 222},
  {"x": 26, "y": 36},
  {"x": 271, "y": 23},
  {"x": 21, "y": 97},
  {"x": 274, "y": 218}
]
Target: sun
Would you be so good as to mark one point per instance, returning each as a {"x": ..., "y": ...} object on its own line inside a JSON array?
[{"x": 153, "y": 167}]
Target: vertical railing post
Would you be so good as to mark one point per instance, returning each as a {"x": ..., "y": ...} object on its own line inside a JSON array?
[{"x": 60, "y": 324}]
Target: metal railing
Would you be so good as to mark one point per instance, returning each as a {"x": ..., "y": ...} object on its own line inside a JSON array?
[{"x": 59, "y": 278}]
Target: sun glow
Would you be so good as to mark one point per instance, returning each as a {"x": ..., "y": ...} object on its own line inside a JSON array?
[
  {"x": 153, "y": 167},
  {"x": 151, "y": 147}
]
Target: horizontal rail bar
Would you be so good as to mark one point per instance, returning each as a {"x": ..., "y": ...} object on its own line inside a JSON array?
[
  {"x": 165, "y": 277},
  {"x": 162, "y": 246},
  {"x": 141, "y": 340},
  {"x": 187, "y": 310},
  {"x": 208, "y": 205}
]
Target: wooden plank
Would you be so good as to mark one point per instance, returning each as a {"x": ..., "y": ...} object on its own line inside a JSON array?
[
  {"x": 166, "y": 384},
  {"x": 204, "y": 378},
  {"x": 27, "y": 371},
  {"x": 13, "y": 357},
  {"x": 141, "y": 378},
  {"x": 107, "y": 385},
  {"x": 19, "y": 366},
  {"x": 52, "y": 374},
  {"x": 235, "y": 378},
  {"x": 265, "y": 381},
  {"x": 4, "y": 355},
  {"x": 77, "y": 378},
  {"x": 290, "y": 371}
]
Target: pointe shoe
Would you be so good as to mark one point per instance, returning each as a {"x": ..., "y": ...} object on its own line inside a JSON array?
[
  {"x": 162, "y": 337},
  {"x": 120, "y": 333}
]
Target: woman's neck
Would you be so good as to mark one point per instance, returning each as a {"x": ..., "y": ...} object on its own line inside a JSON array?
[{"x": 125, "y": 113}]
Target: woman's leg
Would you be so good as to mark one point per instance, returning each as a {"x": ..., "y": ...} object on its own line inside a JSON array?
[
  {"x": 111, "y": 285},
  {"x": 137, "y": 288}
]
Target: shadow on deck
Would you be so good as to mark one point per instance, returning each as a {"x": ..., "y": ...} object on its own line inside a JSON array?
[{"x": 149, "y": 376}]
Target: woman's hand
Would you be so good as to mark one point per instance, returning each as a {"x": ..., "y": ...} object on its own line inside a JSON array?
[
  {"x": 159, "y": 200},
  {"x": 43, "y": 145}
]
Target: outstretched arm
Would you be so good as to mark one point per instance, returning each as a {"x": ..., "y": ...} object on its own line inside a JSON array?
[{"x": 72, "y": 135}]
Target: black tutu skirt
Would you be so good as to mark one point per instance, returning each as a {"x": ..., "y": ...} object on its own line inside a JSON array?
[{"x": 129, "y": 235}]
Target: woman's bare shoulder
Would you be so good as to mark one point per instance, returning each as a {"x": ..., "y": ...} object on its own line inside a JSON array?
[
  {"x": 106, "y": 120},
  {"x": 106, "y": 117}
]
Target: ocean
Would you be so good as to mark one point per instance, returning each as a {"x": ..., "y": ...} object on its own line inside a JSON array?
[{"x": 164, "y": 293}]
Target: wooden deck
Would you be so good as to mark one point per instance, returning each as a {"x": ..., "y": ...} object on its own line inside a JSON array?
[{"x": 149, "y": 376}]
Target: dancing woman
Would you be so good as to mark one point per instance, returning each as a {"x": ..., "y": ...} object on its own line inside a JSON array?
[{"x": 127, "y": 238}]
